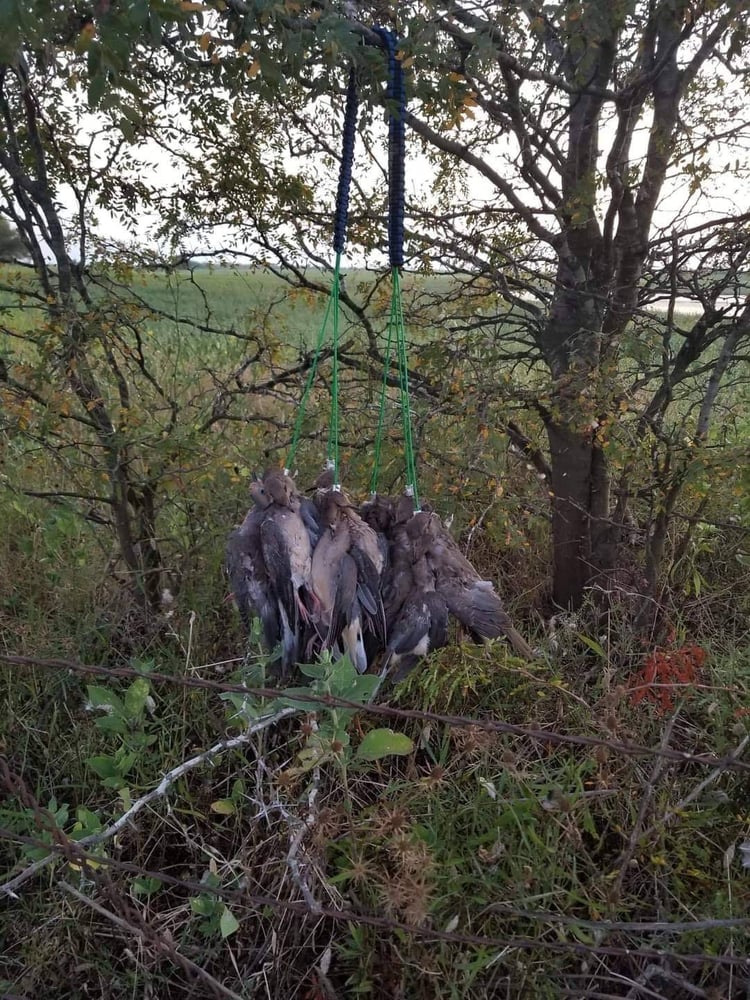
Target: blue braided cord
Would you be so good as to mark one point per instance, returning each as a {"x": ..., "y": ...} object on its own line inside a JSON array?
[
  {"x": 396, "y": 95},
  {"x": 347, "y": 162},
  {"x": 398, "y": 176}
]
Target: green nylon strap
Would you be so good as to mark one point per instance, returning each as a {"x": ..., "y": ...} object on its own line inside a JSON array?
[
  {"x": 383, "y": 395},
  {"x": 331, "y": 307},
  {"x": 396, "y": 323}
]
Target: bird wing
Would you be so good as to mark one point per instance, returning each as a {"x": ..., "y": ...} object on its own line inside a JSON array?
[
  {"x": 477, "y": 608},
  {"x": 352, "y": 639},
  {"x": 366, "y": 539},
  {"x": 345, "y": 607},
  {"x": 480, "y": 609},
  {"x": 249, "y": 581},
  {"x": 398, "y": 583},
  {"x": 368, "y": 590},
  {"x": 438, "y": 620},
  {"x": 309, "y": 514},
  {"x": 276, "y": 556},
  {"x": 411, "y": 626}
]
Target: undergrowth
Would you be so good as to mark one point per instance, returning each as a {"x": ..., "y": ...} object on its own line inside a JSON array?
[{"x": 529, "y": 843}]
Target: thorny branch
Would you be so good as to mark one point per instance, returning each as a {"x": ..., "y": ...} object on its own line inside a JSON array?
[
  {"x": 551, "y": 737},
  {"x": 207, "y": 756},
  {"x": 427, "y": 933}
]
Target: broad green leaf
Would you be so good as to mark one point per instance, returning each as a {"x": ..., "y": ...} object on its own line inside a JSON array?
[
  {"x": 224, "y": 807},
  {"x": 112, "y": 724},
  {"x": 146, "y": 885},
  {"x": 383, "y": 742},
  {"x": 203, "y": 906},
  {"x": 315, "y": 670},
  {"x": 101, "y": 697},
  {"x": 289, "y": 699},
  {"x": 105, "y": 767},
  {"x": 135, "y": 697},
  {"x": 89, "y": 821},
  {"x": 228, "y": 923}
]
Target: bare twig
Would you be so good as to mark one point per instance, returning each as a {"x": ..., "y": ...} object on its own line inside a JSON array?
[
  {"x": 303, "y": 828},
  {"x": 547, "y": 736},
  {"x": 239, "y": 897},
  {"x": 648, "y": 793},
  {"x": 697, "y": 791},
  {"x": 9, "y": 888},
  {"x": 167, "y": 947}
]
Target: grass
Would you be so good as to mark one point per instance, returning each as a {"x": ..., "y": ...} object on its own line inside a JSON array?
[{"x": 472, "y": 832}]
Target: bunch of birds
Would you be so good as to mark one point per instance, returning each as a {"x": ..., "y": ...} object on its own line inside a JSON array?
[{"x": 376, "y": 582}]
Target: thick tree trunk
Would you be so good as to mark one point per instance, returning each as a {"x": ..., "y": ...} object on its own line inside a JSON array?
[{"x": 571, "y": 459}]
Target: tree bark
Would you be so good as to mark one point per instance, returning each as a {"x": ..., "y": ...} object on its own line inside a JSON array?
[{"x": 571, "y": 455}]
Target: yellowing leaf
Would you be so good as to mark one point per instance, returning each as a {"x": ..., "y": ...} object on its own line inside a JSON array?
[
  {"x": 224, "y": 807},
  {"x": 228, "y": 923},
  {"x": 204, "y": 41}
]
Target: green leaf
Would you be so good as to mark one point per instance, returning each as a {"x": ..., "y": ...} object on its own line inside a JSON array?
[
  {"x": 89, "y": 821},
  {"x": 228, "y": 923},
  {"x": 112, "y": 724},
  {"x": 362, "y": 688},
  {"x": 291, "y": 702},
  {"x": 146, "y": 885},
  {"x": 135, "y": 697},
  {"x": 104, "y": 767},
  {"x": 140, "y": 740},
  {"x": 382, "y": 742},
  {"x": 315, "y": 670},
  {"x": 224, "y": 807},
  {"x": 203, "y": 906},
  {"x": 101, "y": 697},
  {"x": 592, "y": 644}
]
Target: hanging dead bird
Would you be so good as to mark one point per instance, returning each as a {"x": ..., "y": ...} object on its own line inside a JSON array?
[
  {"x": 335, "y": 582},
  {"x": 379, "y": 512},
  {"x": 389, "y": 516},
  {"x": 287, "y": 554},
  {"x": 370, "y": 554},
  {"x": 249, "y": 580},
  {"x": 420, "y": 627},
  {"x": 472, "y": 600}
]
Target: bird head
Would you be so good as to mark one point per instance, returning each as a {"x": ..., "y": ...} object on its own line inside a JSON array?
[
  {"x": 404, "y": 508},
  {"x": 379, "y": 512},
  {"x": 331, "y": 508},
  {"x": 261, "y": 497},
  {"x": 325, "y": 480},
  {"x": 279, "y": 486}
]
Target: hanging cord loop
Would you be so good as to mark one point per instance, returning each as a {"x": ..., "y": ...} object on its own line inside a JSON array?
[
  {"x": 332, "y": 309},
  {"x": 396, "y": 96}
]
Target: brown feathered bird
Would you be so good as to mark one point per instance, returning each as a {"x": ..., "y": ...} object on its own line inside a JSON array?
[
  {"x": 370, "y": 555},
  {"x": 249, "y": 579},
  {"x": 335, "y": 583},
  {"x": 472, "y": 600},
  {"x": 420, "y": 626},
  {"x": 287, "y": 555}
]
